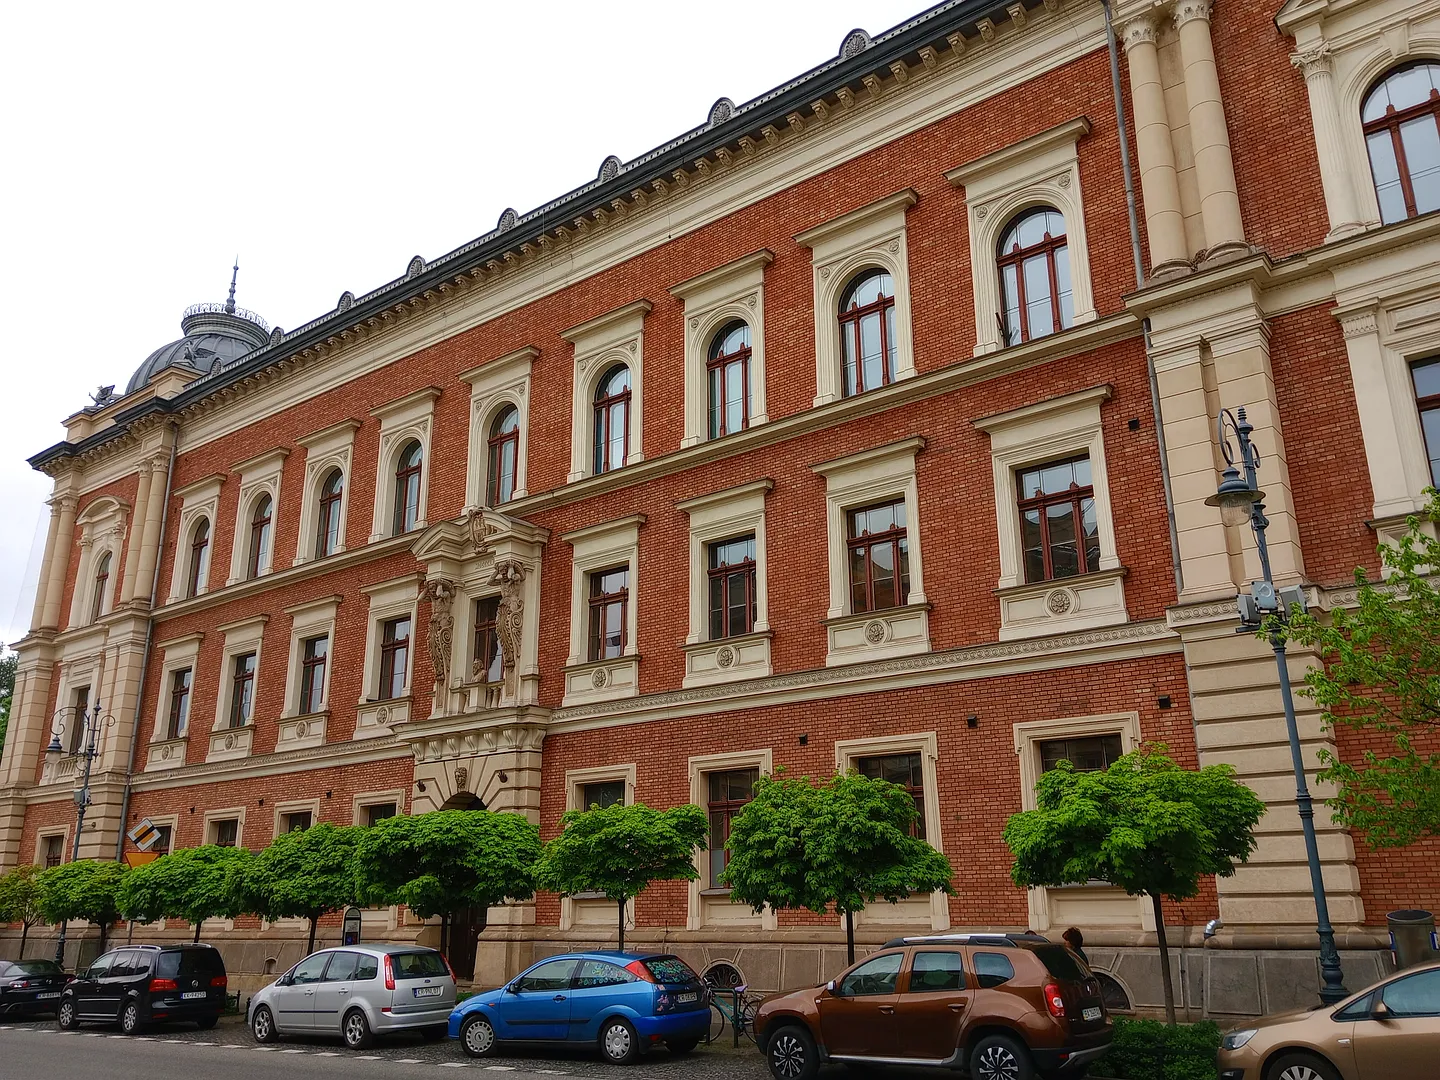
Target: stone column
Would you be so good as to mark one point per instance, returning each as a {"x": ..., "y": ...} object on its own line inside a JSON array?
[
  {"x": 150, "y": 538},
  {"x": 83, "y": 570},
  {"x": 1214, "y": 166},
  {"x": 57, "y": 560},
  {"x": 1313, "y": 62},
  {"x": 1164, "y": 221},
  {"x": 137, "y": 528},
  {"x": 38, "y": 614}
]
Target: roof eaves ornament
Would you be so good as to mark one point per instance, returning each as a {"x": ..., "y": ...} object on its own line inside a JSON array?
[
  {"x": 609, "y": 169},
  {"x": 856, "y": 42},
  {"x": 415, "y": 268},
  {"x": 508, "y": 220},
  {"x": 721, "y": 111}
]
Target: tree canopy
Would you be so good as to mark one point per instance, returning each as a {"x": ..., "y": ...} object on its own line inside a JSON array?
[
  {"x": 86, "y": 889},
  {"x": 1144, "y": 824},
  {"x": 20, "y": 899},
  {"x": 839, "y": 845},
  {"x": 619, "y": 850},
  {"x": 1380, "y": 677},
  {"x": 193, "y": 884},
  {"x": 303, "y": 874}
]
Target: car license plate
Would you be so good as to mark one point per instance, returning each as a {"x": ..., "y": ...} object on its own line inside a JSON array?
[
  {"x": 49, "y": 994},
  {"x": 192, "y": 995},
  {"x": 1092, "y": 1013},
  {"x": 686, "y": 997},
  {"x": 429, "y": 991}
]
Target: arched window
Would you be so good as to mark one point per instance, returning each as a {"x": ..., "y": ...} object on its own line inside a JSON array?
[
  {"x": 102, "y": 584},
  {"x": 867, "y": 332},
  {"x": 327, "y": 532},
  {"x": 504, "y": 456},
  {"x": 1401, "y": 115},
  {"x": 612, "y": 420},
  {"x": 260, "y": 524},
  {"x": 407, "y": 488},
  {"x": 727, "y": 368},
  {"x": 199, "y": 558},
  {"x": 1035, "y": 276}
]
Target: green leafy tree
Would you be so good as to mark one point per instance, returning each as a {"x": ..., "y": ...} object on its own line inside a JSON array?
[
  {"x": 619, "y": 850},
  {"x": 837, "y": 845},
  {"x": 193, "y": 884},
  {"x": 86, "y": 889},
  {"x": 1380, "y": 677},
  {"x": 1144, "y": 824},
  {"x": 20, "y": 899},
  {"x": 9, "y": 662},
  {"x": 304, "y": 875},
  {"x": 442, "y": 862}
]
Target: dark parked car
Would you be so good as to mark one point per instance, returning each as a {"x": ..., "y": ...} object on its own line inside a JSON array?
[
  {"x": 28, "y": 987},
  {"x": 143, "y": 983},
  {"x": 1000, "y": 1006}
]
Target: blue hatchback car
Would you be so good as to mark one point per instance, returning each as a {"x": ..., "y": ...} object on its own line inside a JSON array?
[{"x": 622, "y": 1002}]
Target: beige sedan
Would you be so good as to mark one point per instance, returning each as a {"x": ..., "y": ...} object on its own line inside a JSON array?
[{"x": 1388, "y": 1030}]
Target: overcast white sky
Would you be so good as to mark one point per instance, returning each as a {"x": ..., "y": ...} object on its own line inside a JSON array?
[{"x": 146, "y": 144}]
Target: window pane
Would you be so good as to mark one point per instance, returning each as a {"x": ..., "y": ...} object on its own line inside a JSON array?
[
  {"x": 735, "y": 396},
  {"x": 1030, "y": 540},
  {"x": 934, "y": 971},
  {"x": 870, "y": 350},
  {"x": 1085, "y": 753},
  {"x": 1417, "y": 995},
  {"x": 876, "y": 976},
  {"x": 1427, "y": 378},
  {"x": 1012, "y": 304},
  {"x": 1057, "y": 477},
  {"x": 1387, "y": 177},
  {"x": 717, "y": 410},
  {"x": 848, "y": 359},
  {"x": 1064, "y": 555},
  {"x": 614, "y": 629},
  {"x": 882, "y": 575},
  {"x": 1062, "y": 275},
  {"x": 992, "y": 969},
  {"x": 619, "y": 421},
  {"x": 1430, "y": 421},
  {"x": 858, "y": 597},
  {"x": 549, "y": 977},
  {"x": 602, "y": 793},
  {"x": 717, "y": 607},
  {"x": 739, "y": 603},
  {"x": 1421, "y": 138},
  {"x": 890, "y": 343}
]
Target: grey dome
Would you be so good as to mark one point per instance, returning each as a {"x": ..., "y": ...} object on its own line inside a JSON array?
[{"x": 215, "y": 334}]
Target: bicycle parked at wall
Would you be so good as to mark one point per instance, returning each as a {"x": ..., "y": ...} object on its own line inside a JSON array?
[{"x": 730, "y": 1004}]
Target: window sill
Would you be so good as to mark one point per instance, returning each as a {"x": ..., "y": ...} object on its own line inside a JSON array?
[
  {"x": 732, "y": 659},
  {"x": 1062, "y": 605},
  {"x": 231, "y": 743},
  {"x": 878, "y": 635},
  {"x": 302, "y": 732},
  {"x": 601, "y": 680},
  {"x": 374, "y": 719},
  {"x": 166, "y": 754}
]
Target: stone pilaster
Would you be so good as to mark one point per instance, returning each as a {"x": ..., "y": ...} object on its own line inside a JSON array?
[
  {"x": 1159, "y": 185},
  {"x": 37, "y": 615},
  {"x": 137, "y": 529},
  {"x": 154, "y": 510},
  {"x": 57, "y": 559},
  {"x": 1313, "y": 62}
]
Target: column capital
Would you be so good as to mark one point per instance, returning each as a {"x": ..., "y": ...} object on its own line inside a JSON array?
[
  {"x": 1189, "y": 10},
  {"x": 65, "y": 504},
  {"x": 1139, "y": 31},
  {"x": 1312, "y": 60},
  {"x": 157, "y": 463}
]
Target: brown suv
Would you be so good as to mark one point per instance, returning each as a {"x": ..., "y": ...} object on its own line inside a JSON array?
[{"x": 1003, "y": 1006}]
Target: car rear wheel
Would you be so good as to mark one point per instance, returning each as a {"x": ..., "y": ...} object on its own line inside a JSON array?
[
  {"x": 130, "y": 1018},
  {"x": 1301, "y": 1067},
  {"x": 65, "y": 1015},
  {"x": 477, "y": 1037},
  {"x": 681, "y": 1046},
  {"x": 791, "y": 1054},
  {"x": 262, "y": 1026},
  {"x": 356, "y": 1030},
  {"x": 999, "y": 1057},
  {"x": 618, "y": 1041}
]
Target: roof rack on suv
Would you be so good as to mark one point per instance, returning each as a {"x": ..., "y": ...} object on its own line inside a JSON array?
[{"x": 1001, "y": 940}]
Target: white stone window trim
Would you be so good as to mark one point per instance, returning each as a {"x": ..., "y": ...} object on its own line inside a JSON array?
[
  {"x": 927, "y": 745},
  {"x": 1043, "y": 170},
  {"x": 325, "y": 450},
  {"x": 1035, "y": 434},
  {"x": 178, "y": 654},
  {"x": 719, "y": 516},
  {"x": 361, "y": 800},
  {"x": 494, "y": 385},
  {"x": 198, "y": 500},
  {"x": 240, "y": 637},
  {"x": 853, "y": 482},
  {"x": 295, "y": 806},
  {"x": 602, "y": 547},
  {"x": 735, "y": 291},
  {"x": 102, "y": 527},
  {"x": 46, "y": 831},
  {"x": 872, "y": 237},
  {"x": 617, "y": 337},
  {"x": 701, "y": 897},
  {"x": 575, "y": 779},
  {"x": 228, "y": 813},
  {"x": 299, "y": 729},
  {"x": 259, "y": 476},
  {"x": 1028, "y": 736},
  {"x": 406, "y": 419},
  {"x": 391, "y": 599}
]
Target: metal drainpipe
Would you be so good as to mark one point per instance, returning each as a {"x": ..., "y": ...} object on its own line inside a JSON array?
[
  {"x": 1139, "y": 284},
  {"x": 149, "y": 645}
]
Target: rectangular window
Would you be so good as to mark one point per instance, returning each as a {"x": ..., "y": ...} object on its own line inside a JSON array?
[
  {"x": 178, "y": 722},
  {"x": 1058, "y": 528},
  {"x": 166, "y": 840},
  {"x": 1427, "y": 397},
  {"x": 242, "y": 690},
  {"x": 609, "y": 601},
  {"x": 732, "y": 587},
  {"x": 226, "y": 832},
  {"x": 905, "y": 770},
  {"x": 728, "y": 792},
  {"x": 394, "y": 657},
  {"x": 931, "y": 972},
  {"x": 378, "y": 812},
  {"x": 879, "y": 557},
  {"x": 488, "y": 665},
  {"x": 297, "y": 821},
  {"x": 312, "y": 673},
  {"x": 53, "y": 851},
  {"x": 75, "y": 720},
  {"x": 1086, "y": 754},
  {"x": 602, "y": 793}
]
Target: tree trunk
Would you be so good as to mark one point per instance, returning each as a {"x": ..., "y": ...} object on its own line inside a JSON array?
[
  {"x": 445, "y": 933},
  {"x": 24, "y": 933},
  {"x": 198, "y": 926},
  {"x": 1164, "y": 960},
  {"x": 850, "y": 937},
  {"x": 104, "y": 935},
  {"x": 621, "y": 904},
  {"x": 310, "y": 945}
]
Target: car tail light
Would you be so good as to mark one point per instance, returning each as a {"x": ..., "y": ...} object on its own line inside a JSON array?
[
  {"x": 1054, "y": 1001},
  {"x": 220, "y": 980},
  {"x": 20, "y": 984},
  {"x": 157, "y": 985},
  {"x": 389, "y": 973},
  {"x": 641, "y": 972}
]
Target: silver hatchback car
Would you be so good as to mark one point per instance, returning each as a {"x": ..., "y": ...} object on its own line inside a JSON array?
[{"x": 358, "y": 992}]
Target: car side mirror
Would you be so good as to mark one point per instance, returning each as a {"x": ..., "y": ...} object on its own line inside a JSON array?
[
  {"x": 833, "y": 988},
  {"x": 284, "y": 980},
  {"x": 1381, "y": 1011},
  {"x": 513, "y": 988}
]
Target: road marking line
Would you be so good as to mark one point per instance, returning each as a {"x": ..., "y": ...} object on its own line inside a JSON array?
[
  {"x": 408, "y": 1061},
  {"x": 294, "y": 1051},
  {"x": 262, "y": 1049},
  {"x": 456, "y": 1065},
  {"x": 366, "y": 1057},
  {"x": 327, "y": 1053},
  {"x": 499, "y": 1068},
  {"x": 94, "y": 1035}
]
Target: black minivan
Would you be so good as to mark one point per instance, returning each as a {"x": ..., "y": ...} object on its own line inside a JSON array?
[{"x": 143, "y": 983}]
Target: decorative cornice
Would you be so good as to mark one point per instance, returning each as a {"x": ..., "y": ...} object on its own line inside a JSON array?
[
  {"x": 1060, "y": 135},
  {"x": 901, "y": 200},
  {"x": 325, "y": 756}
]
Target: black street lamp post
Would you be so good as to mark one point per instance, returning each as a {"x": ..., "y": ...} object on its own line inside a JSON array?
[
  {"x": 1239, "y": 499},
  {"x": 91, "y": 722}
]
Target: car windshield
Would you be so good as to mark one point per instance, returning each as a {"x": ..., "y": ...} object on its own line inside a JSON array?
[
  {"x": 190, "y": 964},
  {"x": 419, "y": 965},
  {"x": 1061, "y": 962},
  {"x": 670, "y": 969},
  {"x": 35, "y": 967}
]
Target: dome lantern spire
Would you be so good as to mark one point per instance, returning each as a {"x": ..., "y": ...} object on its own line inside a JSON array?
[{"x": 230, "y": 303}]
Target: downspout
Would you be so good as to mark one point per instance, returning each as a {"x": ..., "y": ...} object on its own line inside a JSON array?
[
  {"x": 149, "y": 646},
  {"x": 1140, "y": 284}
]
